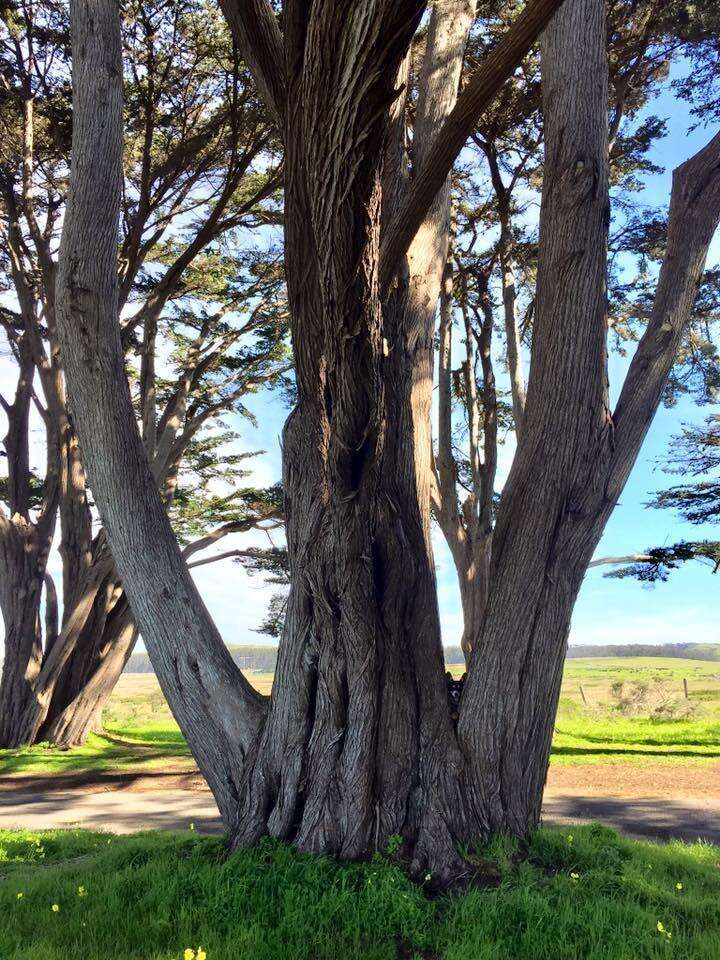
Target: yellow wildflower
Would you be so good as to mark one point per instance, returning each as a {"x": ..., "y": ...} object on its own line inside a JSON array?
[
  {"x": 20, "y": 896},
  {"x": 678, "y": 886},
  {"x": 189, "y": 954},
  {"x": 200, "y": 955},
  {"x": 82, "y": 892},
  {"x": 56, "y": 908},
  {"x": 574, "y": 876},
  {"x": 660, "y": 927}
]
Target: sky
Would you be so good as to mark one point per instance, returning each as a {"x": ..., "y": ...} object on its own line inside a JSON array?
[{"x": 685, "y": 609}]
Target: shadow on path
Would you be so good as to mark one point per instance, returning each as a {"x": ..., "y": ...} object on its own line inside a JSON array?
[
  {"x": 122, "y": 811},
  {"x": 652, "y": 818}
]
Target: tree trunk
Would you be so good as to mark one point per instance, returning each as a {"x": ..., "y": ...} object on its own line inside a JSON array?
[
  {"x": 573, "y": 456},
  {"x": 83, "y": 714},
  {"x": 358, "y": 745},
  {"x": 22, "y": 570},
  {"x": 94, "y": 636},
  {"x": 540, "y": 544}
]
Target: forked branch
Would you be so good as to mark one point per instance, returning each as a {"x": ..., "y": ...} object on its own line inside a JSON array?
[{"x": 481, "y": 88}]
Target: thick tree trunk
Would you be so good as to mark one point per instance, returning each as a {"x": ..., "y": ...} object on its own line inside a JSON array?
[
  {"x": 573, "y": 456},
  {"x": 217, "y": 709},
  {"x": 358, "y": 745},
  {"x": 94, "y": 639}
]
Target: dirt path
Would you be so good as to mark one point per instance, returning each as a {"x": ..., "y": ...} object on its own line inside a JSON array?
[
  {"x": 125, "y": 810},
  {"x": 627, "y": 780}
]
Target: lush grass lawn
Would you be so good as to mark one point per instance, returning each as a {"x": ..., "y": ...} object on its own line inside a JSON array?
[
  {"x": 585, "y": 895},
  {"x": 141, "y": 733}
]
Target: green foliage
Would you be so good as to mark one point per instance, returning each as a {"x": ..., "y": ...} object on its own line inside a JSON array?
[
  {"x": 583, "y": 892},
  {"x": 663, "y": 560}
]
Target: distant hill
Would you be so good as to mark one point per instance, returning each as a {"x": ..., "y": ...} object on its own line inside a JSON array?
[
  {"x": 262, "y": 658},
  {"x": 686, "y": 651}
]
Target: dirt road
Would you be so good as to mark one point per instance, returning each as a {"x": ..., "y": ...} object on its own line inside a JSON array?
[{"x": 120, "y": 809}]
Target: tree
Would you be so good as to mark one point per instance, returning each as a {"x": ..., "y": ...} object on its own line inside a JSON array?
[
  {"x": 493, "y": 270},
  {"x": 694, "y": 453},
  {"x": 198, "y": 168},
  {"x": 356, "y": 743}
]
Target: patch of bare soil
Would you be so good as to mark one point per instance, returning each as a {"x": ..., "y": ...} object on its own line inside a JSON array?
[
  {"x": 94, "y": 781},
  {"x": 679, "y": 780}
]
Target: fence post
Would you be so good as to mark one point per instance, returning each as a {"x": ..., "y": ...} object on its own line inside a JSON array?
[
  {"x": 582, "y": 694},
  {"x": 685, "y": 687}
]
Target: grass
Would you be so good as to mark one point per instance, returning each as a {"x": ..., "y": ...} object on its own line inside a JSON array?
[
  {"x": 141, "y": 734},
  {"x": 586, "y": 894},
  {"x": 598, "y": 731}
]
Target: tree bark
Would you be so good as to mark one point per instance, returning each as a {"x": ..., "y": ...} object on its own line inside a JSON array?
[
  {"x": 24, "y": 549},
  {"x": 22, "y": 568},
  {"x": 540, "y": 547},
  {"x": 83, "y": 714}
]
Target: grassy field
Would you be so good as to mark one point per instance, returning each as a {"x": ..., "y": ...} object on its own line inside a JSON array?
[
  {"x": 647, "y": 719},
  {"x": 587, "y": 894},
  {"x": 622, "y": 724}
]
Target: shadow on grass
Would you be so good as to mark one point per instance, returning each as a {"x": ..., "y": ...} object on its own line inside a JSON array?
[
  {"x": 114, "y": 750},
  {"x": 560, "y": 751}
]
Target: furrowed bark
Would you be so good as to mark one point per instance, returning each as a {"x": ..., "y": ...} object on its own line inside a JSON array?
[
  {"x": 693, "y": 221},
  {"x": 257, "y": 34},
  {"x": 23, "y": 558},
  {"x": 24, "y": 549},
  {"x": 217, "y": 709},
  {"x": 83, "y": 714},
  {"x": 355, "y": 745}
]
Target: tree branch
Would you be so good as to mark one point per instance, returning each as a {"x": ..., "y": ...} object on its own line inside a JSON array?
[
  {"x": 256, "y": 32},
  {"x": 693, "y": 220},
  {"x": 223, "y": 556},
  {"x": 480, "y": 90},
  {"x": 629, "y": 558},
  {"x": 235, "y": 526}
]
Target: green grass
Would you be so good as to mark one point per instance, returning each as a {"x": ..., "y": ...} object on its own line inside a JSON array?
[
  {"x": 634, "y": 740},
  {"x": 142, "y": 734},
  {"x": 583, "y": 894},
  {"x": 124, "y": 748},
  {"x": 599, "y": 732}
]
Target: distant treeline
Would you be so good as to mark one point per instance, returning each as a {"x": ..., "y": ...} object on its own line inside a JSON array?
[
  {"x": 263, "y": 658},
  {"x": 247, "y": 657},
  {"x": 687, "y": 651}
]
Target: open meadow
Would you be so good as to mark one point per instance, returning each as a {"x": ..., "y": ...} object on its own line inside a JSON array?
[
  {"x": 586, "y": 894},
  {"x": 632, "y": 711}
]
